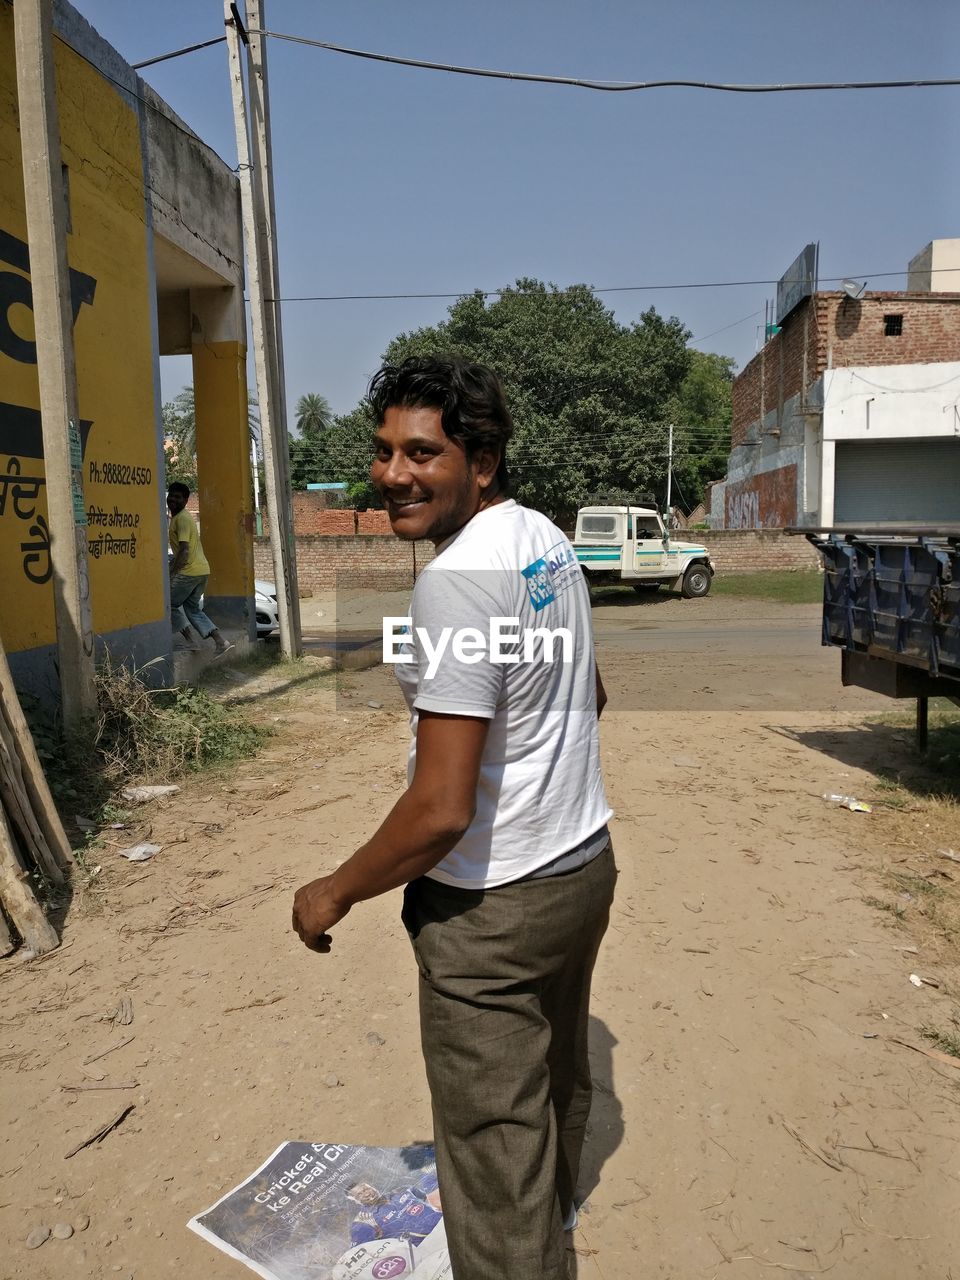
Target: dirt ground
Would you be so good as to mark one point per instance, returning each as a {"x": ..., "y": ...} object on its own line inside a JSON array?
[{"x": 757, "y": 1109}]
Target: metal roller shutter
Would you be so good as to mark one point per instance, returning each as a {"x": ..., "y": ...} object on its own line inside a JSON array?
[{"x": 915, "y": 481}]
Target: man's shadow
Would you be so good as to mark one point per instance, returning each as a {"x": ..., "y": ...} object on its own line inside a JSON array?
[{"x": 605, "y": 1127}]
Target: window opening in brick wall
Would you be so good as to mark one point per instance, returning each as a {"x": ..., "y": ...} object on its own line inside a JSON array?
[{"x": 892, "y": 326}]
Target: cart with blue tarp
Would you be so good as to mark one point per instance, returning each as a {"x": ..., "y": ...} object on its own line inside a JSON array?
[{"x": 891, "y": 603}]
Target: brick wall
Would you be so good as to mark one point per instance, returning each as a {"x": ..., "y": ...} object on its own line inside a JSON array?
[
  {"x": 312, "y": 516},
  {"x": 309, "y": 506},
  {"x": 384, "y": 563},
  {"x": 775, "y": 374},
  {"x": 753, "y": 550},
  {"x": 324, "y": 562},
  {"x": 837, "y": 331},
  {"x": 855, "y": 331},
  {"x": 330, "y": 524},
  {"x": 373, "y": 522}
]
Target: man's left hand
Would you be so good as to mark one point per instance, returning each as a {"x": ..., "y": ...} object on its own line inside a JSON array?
[{"x": 315, "y": 911}]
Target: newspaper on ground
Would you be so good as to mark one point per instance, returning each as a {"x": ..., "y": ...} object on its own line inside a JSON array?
[{"x": 314, "y": 1211}]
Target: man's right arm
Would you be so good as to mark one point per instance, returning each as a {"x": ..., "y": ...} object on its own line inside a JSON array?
[
  {"x": 180, "y": 558},
  {"x": 182, "y": 553},
  {"x": 422, "y": 827}
]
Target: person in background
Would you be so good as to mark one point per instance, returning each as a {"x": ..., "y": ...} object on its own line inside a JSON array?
[{"x": 189, "y": 571}]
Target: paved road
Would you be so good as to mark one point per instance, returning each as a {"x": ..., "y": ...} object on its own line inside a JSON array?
[
  {"x": 721, "y": 654},
  {"x": 657, "y": 652}
]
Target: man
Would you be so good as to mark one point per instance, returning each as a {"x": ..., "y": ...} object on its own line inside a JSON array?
[
  {"x": 501, "y": 835},
  {"x": 189, "y": 571},
  {"x": 409, "y": 1213}
]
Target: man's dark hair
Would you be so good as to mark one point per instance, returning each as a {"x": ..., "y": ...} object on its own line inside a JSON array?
[
  {"x": 470, "y": 397},
  {"x": 179, "y": 487}
]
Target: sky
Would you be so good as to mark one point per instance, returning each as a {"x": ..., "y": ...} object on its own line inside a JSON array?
[{"x": 399, "y": 180}]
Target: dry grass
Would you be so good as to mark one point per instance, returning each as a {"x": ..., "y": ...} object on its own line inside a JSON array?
[
  {"x": 916, "y": 826},
  {"x": 164, "y": 733},
  {"x": 142, "y": 734},
  {"x": 914, "y": 834}
]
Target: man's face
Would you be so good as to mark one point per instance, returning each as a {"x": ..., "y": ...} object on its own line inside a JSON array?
[
  {"x": 429, "y": 487},
  {"x": 365, "y": 1193},
  {"x": 175, "y": 502}
]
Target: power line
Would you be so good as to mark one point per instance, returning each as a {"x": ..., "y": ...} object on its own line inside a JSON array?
[
  {"x": 178, "y": 53},
  {"x": 702, "y": 438},
  {"x": 604, "y": 86},
  {"x": 682, "y": 431},
  {"x": 617, "y": 288},
  {"x": 732, "y": 325},
  {"x": 127, "y": 89}
]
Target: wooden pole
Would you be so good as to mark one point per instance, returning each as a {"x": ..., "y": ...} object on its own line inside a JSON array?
[
  {"x": 43, "y": 187},
  {"x": 14, "y": 798},
  {"x": 6, "y": 942},
  {"x": 274, "y": 444},
  {"x": 34, "y": 779},
  {"x": 26, "y": 913}
]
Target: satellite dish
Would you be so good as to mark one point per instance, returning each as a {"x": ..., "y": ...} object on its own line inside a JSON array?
[{"x": 852, "y": 289}]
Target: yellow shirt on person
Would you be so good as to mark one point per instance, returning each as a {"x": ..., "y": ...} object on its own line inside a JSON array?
[{"x": 183, "y": 528}]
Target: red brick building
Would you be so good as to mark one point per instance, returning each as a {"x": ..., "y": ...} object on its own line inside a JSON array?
[{"x": 850, "y": 413}]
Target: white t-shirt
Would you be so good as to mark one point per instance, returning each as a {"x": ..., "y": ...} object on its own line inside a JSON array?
[{"x": 540, "y": 791}]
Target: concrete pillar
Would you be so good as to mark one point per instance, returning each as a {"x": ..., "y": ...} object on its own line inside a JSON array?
[
  {"x": 219, "y": 354},
  {"x": 827, "y": 482}
]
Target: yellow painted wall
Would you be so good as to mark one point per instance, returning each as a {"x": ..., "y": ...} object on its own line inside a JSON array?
[
  {"x": 223, "y": 465},
  {"x": 113, "y": 298}
]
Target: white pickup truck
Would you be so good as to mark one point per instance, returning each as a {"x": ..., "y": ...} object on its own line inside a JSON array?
[{"x": 631, "y": 544}]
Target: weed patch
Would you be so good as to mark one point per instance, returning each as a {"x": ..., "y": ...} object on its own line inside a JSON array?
[
  {"x": 940, "y": 776},
  {"x": 141, "y": 734},
  {"x": 798, "y": 587},
  {"x": 165, "y": 732},
  {"x": 947, "y": 1041},
  {"x": 916, "y": 885},
  {"x": 878, "y": 904}
]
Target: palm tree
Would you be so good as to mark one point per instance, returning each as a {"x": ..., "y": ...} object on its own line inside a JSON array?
[{"x": 313, "y": 414}]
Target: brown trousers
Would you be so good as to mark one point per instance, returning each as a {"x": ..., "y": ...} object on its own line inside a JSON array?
[{"x": 504, "y": 1005}]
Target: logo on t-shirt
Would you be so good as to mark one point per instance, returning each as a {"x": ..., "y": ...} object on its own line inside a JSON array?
[
  {"x": 551, "y": 575},
  {"x": 539, "y": 586}
]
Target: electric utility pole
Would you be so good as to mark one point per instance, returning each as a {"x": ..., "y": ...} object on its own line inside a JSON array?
[
  {"x": 258, "y": 236},
  {"x": 669, "y": 469},
  {"x": 44, "y": 198},
  {"x": 262, "y": 174}
]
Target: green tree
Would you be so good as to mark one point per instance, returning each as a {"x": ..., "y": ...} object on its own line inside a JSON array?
[
  {"x": 180, "y": 438},
  {"x": 341, "y": 454},
  {"x": 313, "y": 414},
  {"x": 591, "y": 398},
  {"x": 309, "y": 447},
  {"x": 180, "y": 434},
  {"x": 703, "y": 415}
]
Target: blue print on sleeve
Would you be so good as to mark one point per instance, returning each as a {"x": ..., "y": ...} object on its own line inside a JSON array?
[
  {"x": 551, "y": 575},
  {"x": 539, "y": 584}
]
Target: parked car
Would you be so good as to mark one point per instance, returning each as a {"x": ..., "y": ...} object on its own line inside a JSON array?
[
  {"x": 266, "y": 604},
  {"x": 632, "y": 544}
]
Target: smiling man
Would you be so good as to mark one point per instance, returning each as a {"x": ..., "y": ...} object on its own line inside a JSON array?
[{"x": 501, "y": 835}]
